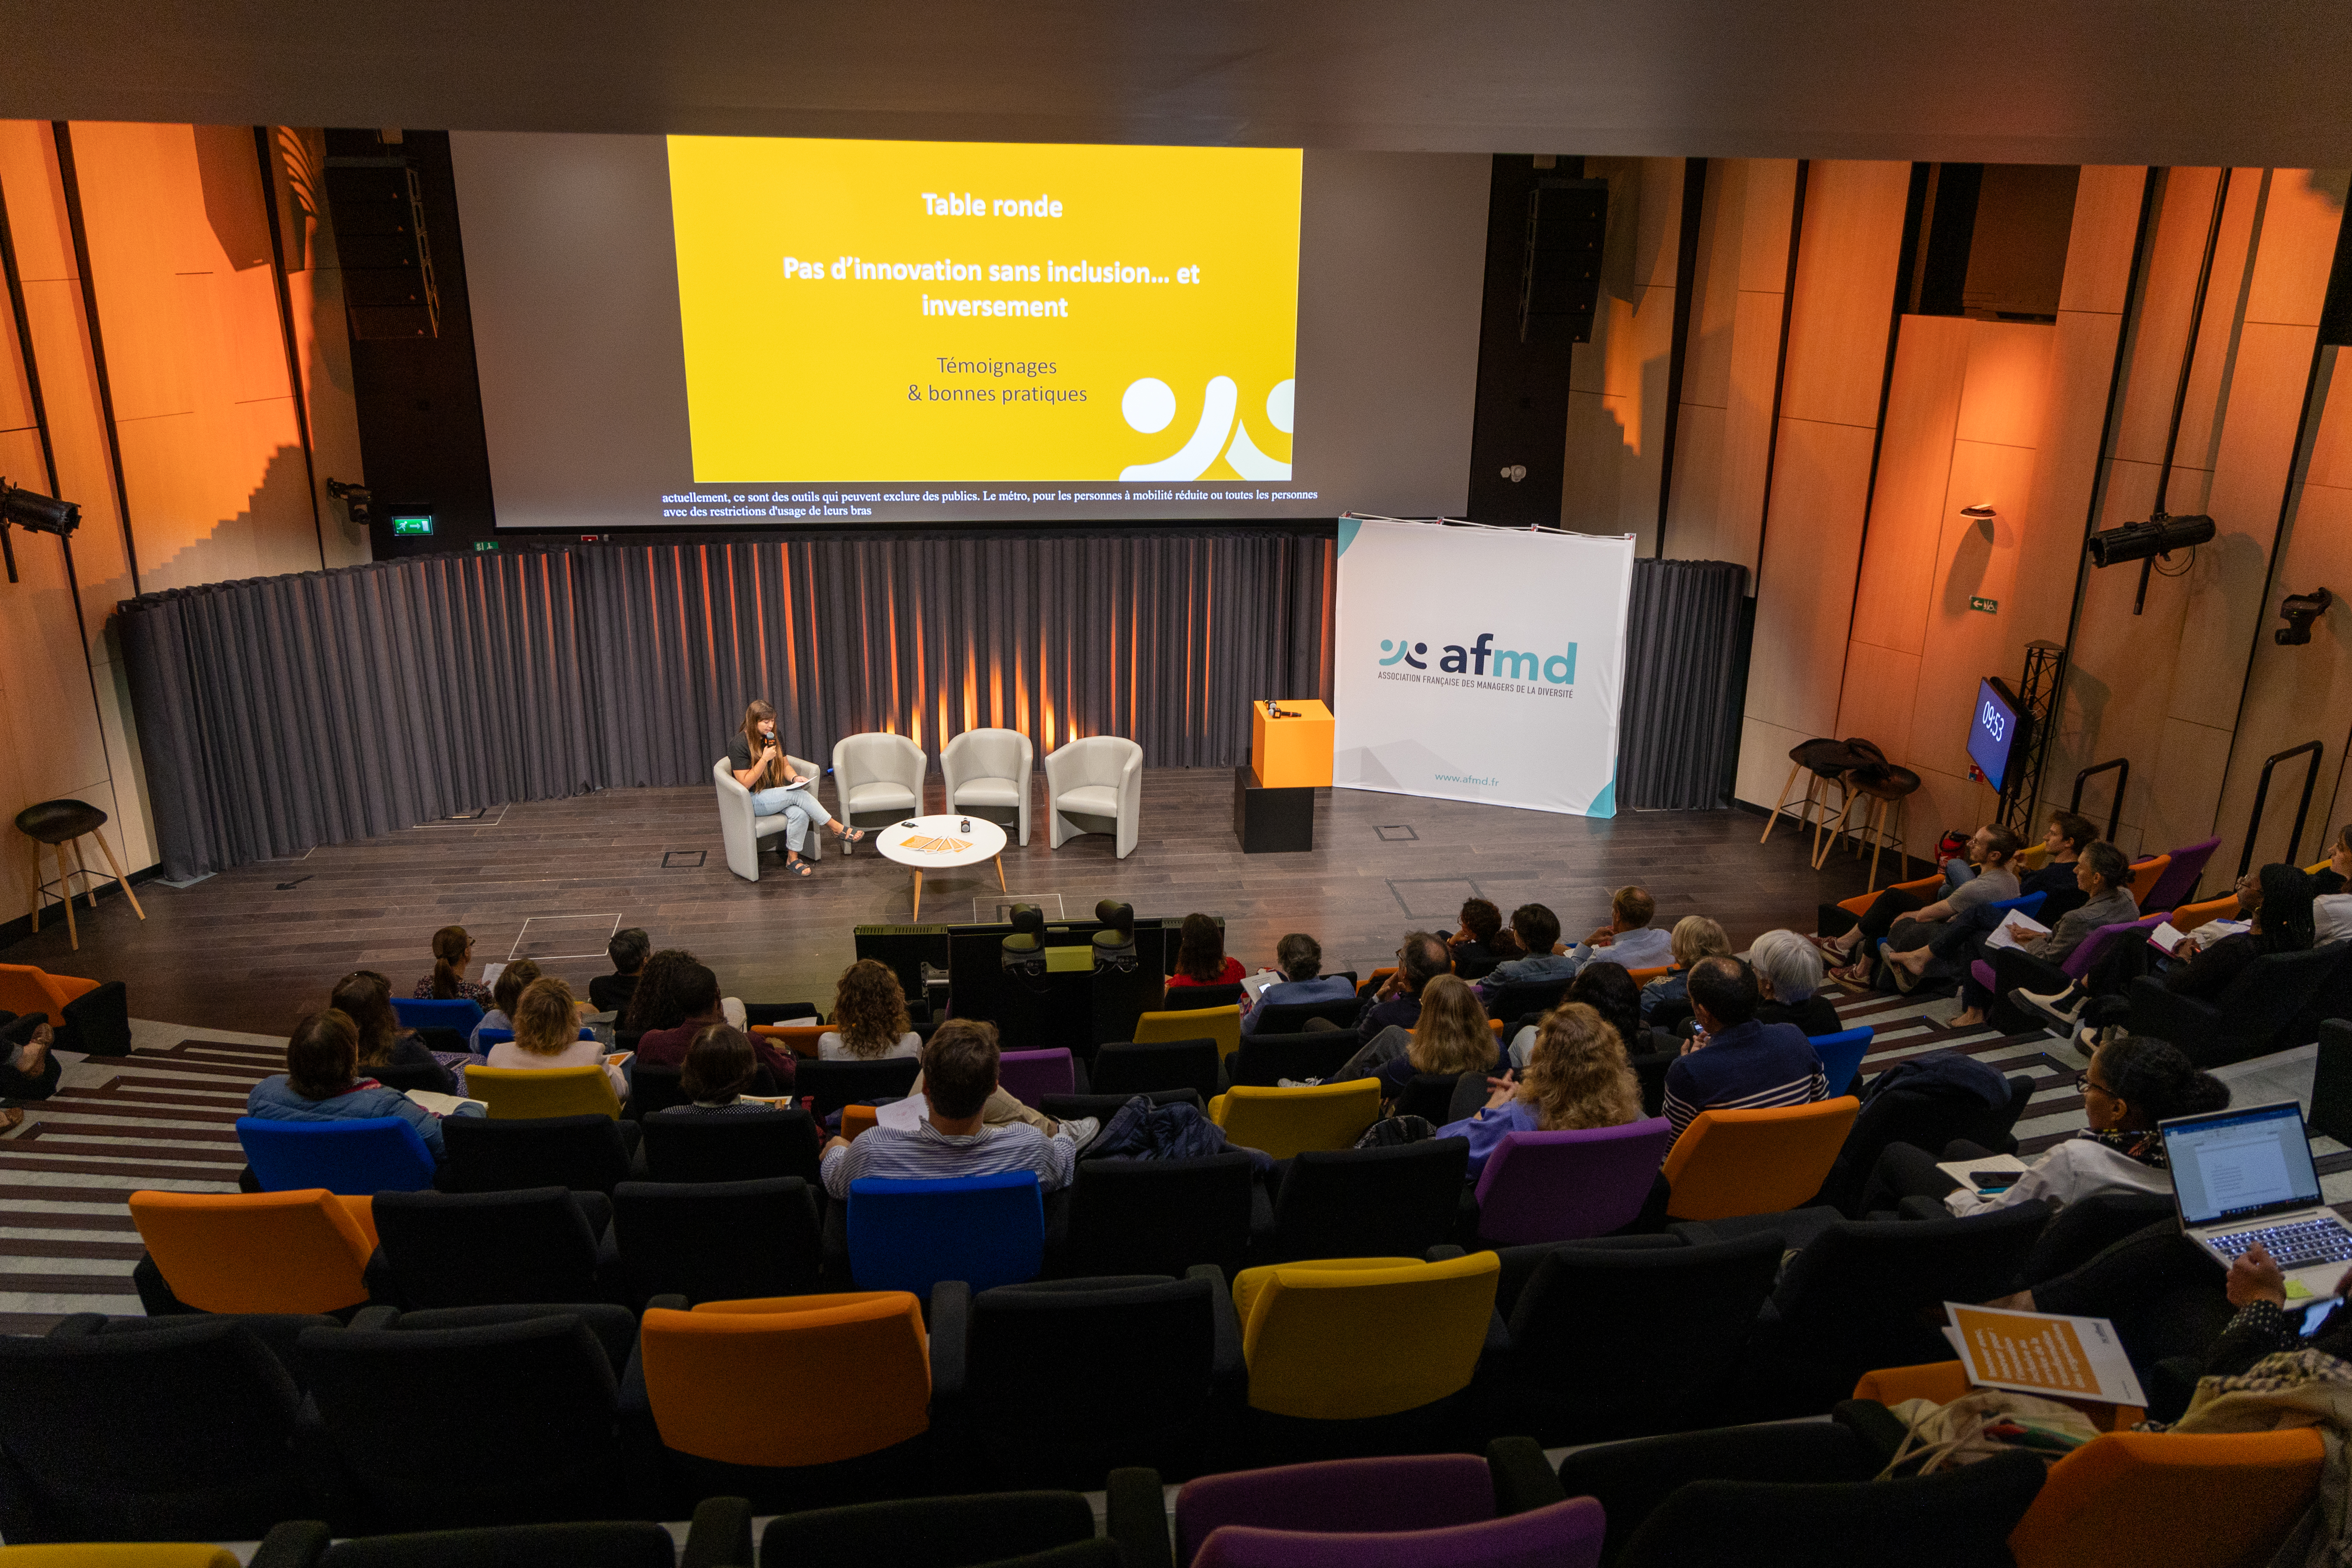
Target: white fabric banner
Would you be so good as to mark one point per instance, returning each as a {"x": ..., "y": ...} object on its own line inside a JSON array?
[{"x": 1481, "y": 663}]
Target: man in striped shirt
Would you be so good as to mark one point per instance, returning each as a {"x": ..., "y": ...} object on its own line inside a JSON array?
[
  {"x": 1735, "y": 1063},
  {"x": 952, "y": 1138}
]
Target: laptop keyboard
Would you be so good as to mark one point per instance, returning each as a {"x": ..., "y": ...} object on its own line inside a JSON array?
[{"x": 2292, "y": 1245}]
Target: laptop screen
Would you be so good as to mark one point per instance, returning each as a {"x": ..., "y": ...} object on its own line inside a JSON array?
[{"x": 2237, "y": 1163}]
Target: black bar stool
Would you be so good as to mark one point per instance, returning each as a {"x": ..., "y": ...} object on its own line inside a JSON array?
[{"x": 62, "y": 825}]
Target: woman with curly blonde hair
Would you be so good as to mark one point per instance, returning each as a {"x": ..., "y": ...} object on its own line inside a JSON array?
[
  {"x": 869, "y": 1016},
  {"x": 1578, "y": 1078}
]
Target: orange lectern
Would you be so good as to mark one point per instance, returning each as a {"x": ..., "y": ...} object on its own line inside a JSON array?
[
  {"x": 1290, "y": 759},
  {"x": 1293, "y": 751}
]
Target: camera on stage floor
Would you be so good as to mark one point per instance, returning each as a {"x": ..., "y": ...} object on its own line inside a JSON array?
[{"x": 1114, "y": 945}]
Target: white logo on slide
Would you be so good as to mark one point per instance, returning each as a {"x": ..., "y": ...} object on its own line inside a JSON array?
[{"x": 1150, "y": 405}]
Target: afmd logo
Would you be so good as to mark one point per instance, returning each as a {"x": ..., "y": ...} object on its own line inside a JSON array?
[{"x": 1559, "y": 669}]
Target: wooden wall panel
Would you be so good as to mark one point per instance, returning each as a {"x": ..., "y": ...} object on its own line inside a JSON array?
[
  {"x": 1820, "y": 485},
  {"x": 1914, "y": 462},
  {"x": 1840, "y": 313}
]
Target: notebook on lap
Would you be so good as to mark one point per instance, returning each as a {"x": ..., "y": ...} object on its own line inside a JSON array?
[{"x": 2242, "y": 1177}]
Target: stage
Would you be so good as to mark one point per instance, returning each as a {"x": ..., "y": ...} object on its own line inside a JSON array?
[{"x": 253, "y": 948}]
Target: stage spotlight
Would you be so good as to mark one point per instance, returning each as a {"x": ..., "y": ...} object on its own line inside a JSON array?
[
  {"x": 2159, "y": 535},
  {"x": 2299, "y": 610},
  {"x": 40, "y": 513},
  {"x": 356, "y": 499}
]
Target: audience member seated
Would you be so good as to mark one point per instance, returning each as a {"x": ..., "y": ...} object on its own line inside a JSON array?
[
  {"x": 2331, "y": 911},
  {"x": 1200, "y": 955},
  {"x": 719, "y": 1070},
  {"x": 869, "y": 1016},
  {"x": 365, "y": 998},
  {"x": 1945, "y": 938},
  {"x": 322, "y": 1082},
  {"x": 1859, "y": 946},
  {"x": 1578, "y": 1077},
  {"x": 1664, "y": 1001},
  {"x": 2063, "y": 842},
  {"x": 453, "y": 949},
  {"x": 1538, "y": 931},
  {"x": 1788, "y": 973},
  {"x": 1737, "y": 1062},
  {"x": 686, "y": 990},
  {"x": 2248, "y": 890},
  {"x": 2256, "y": 1286},
  {"x": 547, "y": 1035},
  {"x": 952, "y": 1138},
  {"x": 628, "y": 950},
  {"x": 1473, "y": 944},
  {"x": 1299, "y": 959},
  {"x": 27, "y": 1070},
  {"x": 2282, "y": 921},
  {"x": 2104, "y": 878},
  {"x": 1397, "y": 1004},
  {"x": 1629, "y": 937},
  {"x": 2132, "y": 1084},
  {"x": 1451, "y": 1037},
  {"x": 1979, "y": 874},
  {"x": 512, "y": 982},
  {"x": 1609, "y": 990}
]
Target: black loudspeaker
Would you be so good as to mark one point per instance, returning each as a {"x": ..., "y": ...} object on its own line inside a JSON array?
[
  {"x": 380, "y": 240},
  {"x": 1559, "y": 278}
]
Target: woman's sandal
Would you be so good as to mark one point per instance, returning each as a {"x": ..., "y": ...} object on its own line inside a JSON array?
[
  {"x": 798, "y": 868},
  {"x": 851, "y": 836}
]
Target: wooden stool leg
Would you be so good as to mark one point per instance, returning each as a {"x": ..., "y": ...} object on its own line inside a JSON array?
[
  {"x": 1877, "y": 841},
  {"x": 1772, "y": 821},
  {"x": 36, "y": 887},
  {"x": 120, "y": 880},
  {"x": 73, "y": 936},
  {"x": 1902, "y": 836},
  {"x": 85, "y": 873},
  {"x": 1836, "y": 832}
]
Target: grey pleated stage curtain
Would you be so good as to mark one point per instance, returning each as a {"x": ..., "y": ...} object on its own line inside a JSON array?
[
  {"x": 1683, "y": 658},
  {"x": 286, "y": 713}
]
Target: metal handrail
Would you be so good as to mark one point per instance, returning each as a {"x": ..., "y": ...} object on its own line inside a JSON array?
[
  {"x": 2302, "y": 811},
  {"x": 2115, "y": 806}
]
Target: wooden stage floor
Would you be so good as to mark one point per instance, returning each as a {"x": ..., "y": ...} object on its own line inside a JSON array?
[{"x": 253, "y": 948}]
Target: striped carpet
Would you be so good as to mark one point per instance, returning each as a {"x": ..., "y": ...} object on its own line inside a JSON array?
[{"x": 165, "y": 1116}]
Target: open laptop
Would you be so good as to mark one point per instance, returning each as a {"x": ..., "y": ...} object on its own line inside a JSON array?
[{"x": 2242, "y": 1177}]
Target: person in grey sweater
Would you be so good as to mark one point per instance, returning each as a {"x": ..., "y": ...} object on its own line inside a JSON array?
[{"x": 2105, "y": 876}]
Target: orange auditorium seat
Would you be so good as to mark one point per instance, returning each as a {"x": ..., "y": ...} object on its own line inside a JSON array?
[
  {"x": 259, "y": 1252},
  {"x": 1733, "y": 1163}
]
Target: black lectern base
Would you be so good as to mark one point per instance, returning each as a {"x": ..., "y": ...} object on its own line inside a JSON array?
[{"x": 1271, "y": 821}]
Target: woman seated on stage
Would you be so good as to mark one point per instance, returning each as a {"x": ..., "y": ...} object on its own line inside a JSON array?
[
  {"x": 322, "y": 1082},
  {"x": 869, "y": 1016},
  {"x": 2104, "y": 878},
  {"x": 1666, "y": 1001},
  {"x": 1578, "y": 1077},
  {"x": 452, "y": 951},
  {"x": 365, "y": 998},
  {"x": 1788, "y": 973},
  {"x": 680, "y": 999},
  {"x": 1979, "y": 874},
  {"x": 721, "y": 1067},
  {"x": 757, "y": 759},
  {"x": 1451, "y": 1037},
  {"x": 1200, "y": 955},
  {"x": 2133, "y": 1083},
  {"x": 547, "y": 1035}
]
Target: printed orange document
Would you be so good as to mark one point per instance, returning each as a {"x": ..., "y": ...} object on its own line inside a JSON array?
[{"x": 2038, "y": 1353}]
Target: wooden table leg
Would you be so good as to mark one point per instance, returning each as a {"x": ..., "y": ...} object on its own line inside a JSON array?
[
  {"x": 919, "y": 896},
  {"x": 120, "y": 880},
  {"x": 1000, "y": 876}
]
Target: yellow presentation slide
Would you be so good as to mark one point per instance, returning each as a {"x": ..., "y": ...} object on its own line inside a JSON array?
[{"x": 927, "y": 314}]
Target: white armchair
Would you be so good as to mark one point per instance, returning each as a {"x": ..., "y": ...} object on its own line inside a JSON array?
[
  {"x": 1100, "y": 779},
  {"x": 878, "y": 776},
  {"x": 988, "y": 768},
  {"x": 742, "y": 831}
]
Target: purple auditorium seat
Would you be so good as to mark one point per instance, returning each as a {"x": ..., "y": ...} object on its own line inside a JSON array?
[
  {"x": 1030, "y": 1076},
  {"x": 2087, "y": 951},
  {"x": 1566, "y": 1186},
  {"x": 1425, "y": 1491},
  {"x": 1562, "y": 1535},
  {"x": 2181, "y": 877}
]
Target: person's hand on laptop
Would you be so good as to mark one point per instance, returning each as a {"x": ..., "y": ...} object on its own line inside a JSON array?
[{"x": 2256, "y": 1277}]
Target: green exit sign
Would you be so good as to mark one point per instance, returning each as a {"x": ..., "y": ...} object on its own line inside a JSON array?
[
  {"x": 482, "y": 544},
  {"x": 1990, "y": 606},
  {"x": 410, "y": 525}
]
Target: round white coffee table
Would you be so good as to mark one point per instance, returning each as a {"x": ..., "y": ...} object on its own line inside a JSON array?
[{"x": 941, "y": 844}]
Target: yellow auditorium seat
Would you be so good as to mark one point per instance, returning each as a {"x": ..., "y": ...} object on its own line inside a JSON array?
[
  {"x": 1222, "y": 1025},
  {"x": 259, "y": 1252},
  {"x": 1733, "y": 1163},
  {"x": 1287, "y": 1122},
  {"x": 740, "y": 1381},
  {"x": 119, "y": 1555},
  {"x": 528, "y": 1093},
  {"x": 1349, "y": 1338}
]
